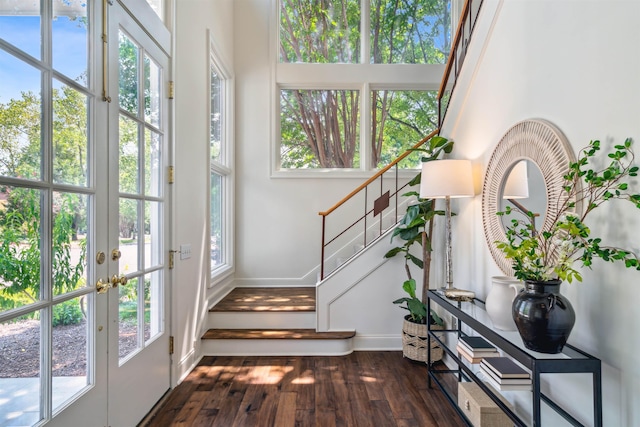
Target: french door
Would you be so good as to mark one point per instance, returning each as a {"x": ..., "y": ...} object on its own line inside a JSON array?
[
  {"x": 84, "y": 290},
  {"x": 139, "y": 360}
]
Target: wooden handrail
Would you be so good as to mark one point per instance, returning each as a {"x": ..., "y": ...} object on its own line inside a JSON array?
[
  {"x": 382, "y": 202},
  {"x": 454, "y": 46},
  {"x": 379, "y": 173}
]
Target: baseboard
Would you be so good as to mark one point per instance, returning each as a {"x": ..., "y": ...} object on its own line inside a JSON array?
[
  {"x": 186, "y": 365},
  {"x": 377, "y": 342}
]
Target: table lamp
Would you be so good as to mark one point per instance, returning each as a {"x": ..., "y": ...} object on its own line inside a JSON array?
[{"x": 447, "y": 179}]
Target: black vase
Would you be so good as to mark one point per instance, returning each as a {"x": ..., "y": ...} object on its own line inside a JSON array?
[{"x": 544, "y": 317}]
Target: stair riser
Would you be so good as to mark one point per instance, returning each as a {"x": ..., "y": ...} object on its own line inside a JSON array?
[
  {"x": 280, "y": 347},
  {"x": 263, "y": 320}
]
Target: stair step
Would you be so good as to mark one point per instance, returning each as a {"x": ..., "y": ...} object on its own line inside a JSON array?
[
  {"x": 275, "y": 334},
  {"x": 283, "y": 299},
  {"x": 276, "y": 342}
]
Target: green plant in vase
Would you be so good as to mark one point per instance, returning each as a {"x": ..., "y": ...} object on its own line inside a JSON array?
[{"x": 545, "y": 258}]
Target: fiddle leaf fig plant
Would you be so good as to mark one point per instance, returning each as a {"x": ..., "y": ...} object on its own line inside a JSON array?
[
  {"x": 417, "y": 309},
  {"x": 416, "y": 228}
]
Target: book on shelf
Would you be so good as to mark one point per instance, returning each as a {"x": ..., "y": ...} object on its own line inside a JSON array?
[
  {"x": 503, "y": 381},
  {"x": 465, "y": 354},
  {"x": 477, "y": 348},
  {"x": 507, "y": 387},
  {"x": 504, "y": 367}
]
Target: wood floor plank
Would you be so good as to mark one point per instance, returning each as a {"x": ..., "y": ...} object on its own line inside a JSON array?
[
  {"x": 286, "y": 412},
  {"x": 362, "y": 389}
]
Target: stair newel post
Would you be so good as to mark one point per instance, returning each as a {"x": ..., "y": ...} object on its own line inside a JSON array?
[{"x": 324, "y": 218}]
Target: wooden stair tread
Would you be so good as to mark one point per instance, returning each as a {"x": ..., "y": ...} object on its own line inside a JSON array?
[
  {"x": 268, "y": 299},
  {"x": 299, "y": 334}
]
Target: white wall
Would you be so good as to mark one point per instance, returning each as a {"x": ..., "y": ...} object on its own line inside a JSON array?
[
  {"x": 278, "y": 226},
  {"x": 193, "y": 19},
  {"x": 576, "y": 65}
]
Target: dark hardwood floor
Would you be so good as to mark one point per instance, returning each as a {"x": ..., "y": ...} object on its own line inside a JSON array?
[{"x": 372, "y": 389}]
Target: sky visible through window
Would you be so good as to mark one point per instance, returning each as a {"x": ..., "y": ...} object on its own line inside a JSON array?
[{"x": 69, "y": 52}]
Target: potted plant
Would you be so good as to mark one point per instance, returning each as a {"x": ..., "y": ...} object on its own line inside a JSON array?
[
  {"x": 545, "y": 258},
  {"x": 416, "y": 229}
]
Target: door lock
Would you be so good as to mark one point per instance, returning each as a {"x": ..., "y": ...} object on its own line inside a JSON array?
[
  {"x": 115, "y": 254},
  {"x": 115, "y": 280},
  {"x": 102, "y": 287}
]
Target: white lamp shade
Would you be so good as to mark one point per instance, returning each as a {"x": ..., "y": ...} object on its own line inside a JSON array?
[
  {"x": 517, "y": 185},
  {"x": 442, "y": 178}
]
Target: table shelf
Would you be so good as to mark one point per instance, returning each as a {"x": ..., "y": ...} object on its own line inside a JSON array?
[{"x": 570, "y": 360}]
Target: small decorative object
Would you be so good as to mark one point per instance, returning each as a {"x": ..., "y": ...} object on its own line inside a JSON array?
[
  {"x": 480, "y": 409},
  {"x": 543, "y": 259},
  {"x": 498, "y": 303}
]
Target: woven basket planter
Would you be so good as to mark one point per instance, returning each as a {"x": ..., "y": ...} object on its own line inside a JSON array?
[{"x": 414, "y": 342}]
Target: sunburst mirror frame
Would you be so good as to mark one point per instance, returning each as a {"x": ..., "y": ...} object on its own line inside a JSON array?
[{"x": 545, "y": 145}]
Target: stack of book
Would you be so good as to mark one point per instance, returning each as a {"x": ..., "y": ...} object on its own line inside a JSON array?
[
  {"x": 474, "y": 349},
  {"x": 504, "y": 374}
]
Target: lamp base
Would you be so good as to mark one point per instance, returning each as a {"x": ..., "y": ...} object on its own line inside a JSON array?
[{"x": 459, "y": 294}]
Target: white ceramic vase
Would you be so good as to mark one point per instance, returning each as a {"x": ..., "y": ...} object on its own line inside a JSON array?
[{"x": 500, "y": 299}]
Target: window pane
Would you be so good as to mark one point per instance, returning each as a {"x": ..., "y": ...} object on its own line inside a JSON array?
[
  {"x": 399, "y": 120},
  {"x": 313, "y": 31},
  {"x": 152, "y": 76},
  {"x": 319, "y": 128},
  {"x": 128, "y": 340},
  {"x": 153, "y": 162},
  {"x": 216, "y": 116},
  {"x": 70, "y": 136},
  {"x": 20, "y": 114},
  {"x": 70, "y": 28},
  {"x": 216, "y": 221},
  {"x": 152, "y": 305},
  {"x": 20, "y": 371},
  {"x": 20, "y": 226},
  {"x": 69, "y": 370},
  {"x": 69, "y": 249},
  {"x": 128, "y": 224},
  {"x": 410, "y": 32},
  {"x": 20, "y": 25},
  {"x": 129, "y": 85},
  {"x": 128, "y": 156},
  {"x": 158, "y": 7},
  {"x": 152, "y": 234}
]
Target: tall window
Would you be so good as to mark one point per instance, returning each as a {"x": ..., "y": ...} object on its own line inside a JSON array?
[
  {"x": 220, "y": 171},
  {"x": 357, "y": 80}
]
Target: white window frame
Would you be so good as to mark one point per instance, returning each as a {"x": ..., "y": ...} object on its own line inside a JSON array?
[
  {"x": 363, "y": 77},
  {"x": 224, "y": 166}
]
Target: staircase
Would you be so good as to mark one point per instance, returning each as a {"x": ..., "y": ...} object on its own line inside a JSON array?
[{"x": 270, "y": 322}]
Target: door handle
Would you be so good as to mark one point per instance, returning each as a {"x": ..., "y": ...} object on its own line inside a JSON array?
[
  {"x": 102, "y": 287},
  {"x": 115, "y": 280}
]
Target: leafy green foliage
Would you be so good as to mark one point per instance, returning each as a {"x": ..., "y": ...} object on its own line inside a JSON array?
[
  {"x": 67, "y": 313},
  {"x": 417, "y": 309},
  {"x": 550, "y": 254},
  {"x": 320, "y": 129},
  {"x": 20, "y": 254}
]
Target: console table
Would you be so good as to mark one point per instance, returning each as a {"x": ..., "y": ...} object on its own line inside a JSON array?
[{"x": 470, "y": 314}]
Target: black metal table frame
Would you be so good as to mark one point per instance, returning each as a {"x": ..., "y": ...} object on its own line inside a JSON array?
[{"x": 585, "y": 364}]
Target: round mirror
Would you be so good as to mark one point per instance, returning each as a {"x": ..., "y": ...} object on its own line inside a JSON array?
[
  {"x": 523, "y": 190},
  {"x": 543, "y": 152}
]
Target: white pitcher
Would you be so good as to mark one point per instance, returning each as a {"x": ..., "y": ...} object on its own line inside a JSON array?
[{"x": 499, "y": 300}]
